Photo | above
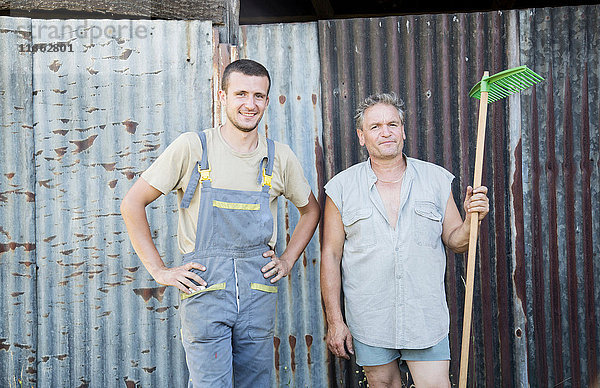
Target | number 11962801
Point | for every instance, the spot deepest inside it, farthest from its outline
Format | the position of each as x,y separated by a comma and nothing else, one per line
56,47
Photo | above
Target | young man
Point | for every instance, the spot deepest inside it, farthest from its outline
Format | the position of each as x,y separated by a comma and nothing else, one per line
227,181
386,222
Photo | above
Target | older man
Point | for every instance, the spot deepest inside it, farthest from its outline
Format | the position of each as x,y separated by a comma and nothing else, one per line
226,233
386,223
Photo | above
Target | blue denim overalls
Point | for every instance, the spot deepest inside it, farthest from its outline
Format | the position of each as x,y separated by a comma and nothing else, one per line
228,326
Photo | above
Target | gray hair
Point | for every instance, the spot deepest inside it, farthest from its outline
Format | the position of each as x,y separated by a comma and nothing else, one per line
379,98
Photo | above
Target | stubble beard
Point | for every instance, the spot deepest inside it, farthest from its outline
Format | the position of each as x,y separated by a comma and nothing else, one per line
382,154
243,128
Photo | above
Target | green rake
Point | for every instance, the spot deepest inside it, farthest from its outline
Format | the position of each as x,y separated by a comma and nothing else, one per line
505,83
488,90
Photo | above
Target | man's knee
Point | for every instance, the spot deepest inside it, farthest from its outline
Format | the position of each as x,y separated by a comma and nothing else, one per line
383,381
383,376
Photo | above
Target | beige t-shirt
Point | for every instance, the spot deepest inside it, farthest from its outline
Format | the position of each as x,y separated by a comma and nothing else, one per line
229,170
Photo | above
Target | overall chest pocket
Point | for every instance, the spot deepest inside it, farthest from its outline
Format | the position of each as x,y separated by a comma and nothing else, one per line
428,224
240,223
359,228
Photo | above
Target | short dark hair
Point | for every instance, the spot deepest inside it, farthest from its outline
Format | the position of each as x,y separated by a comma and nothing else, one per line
246,67
379,98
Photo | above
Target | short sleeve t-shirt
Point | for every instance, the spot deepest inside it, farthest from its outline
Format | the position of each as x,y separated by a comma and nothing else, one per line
229,170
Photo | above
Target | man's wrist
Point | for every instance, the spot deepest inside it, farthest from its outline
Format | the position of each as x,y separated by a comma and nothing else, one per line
155,269
286,257
336,320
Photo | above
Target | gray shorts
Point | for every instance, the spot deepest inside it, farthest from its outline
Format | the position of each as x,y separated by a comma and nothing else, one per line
367,355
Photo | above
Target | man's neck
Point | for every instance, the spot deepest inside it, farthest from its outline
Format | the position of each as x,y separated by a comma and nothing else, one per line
389,169
240,141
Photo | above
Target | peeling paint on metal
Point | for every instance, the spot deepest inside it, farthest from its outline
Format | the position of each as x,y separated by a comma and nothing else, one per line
98,115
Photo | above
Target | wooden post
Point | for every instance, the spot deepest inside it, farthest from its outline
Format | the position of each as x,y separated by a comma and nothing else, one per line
224,54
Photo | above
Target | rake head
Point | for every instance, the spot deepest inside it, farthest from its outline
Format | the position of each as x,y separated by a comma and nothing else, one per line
505,83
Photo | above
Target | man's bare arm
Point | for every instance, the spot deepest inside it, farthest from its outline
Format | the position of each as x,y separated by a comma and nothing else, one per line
133,210
338,336
455,230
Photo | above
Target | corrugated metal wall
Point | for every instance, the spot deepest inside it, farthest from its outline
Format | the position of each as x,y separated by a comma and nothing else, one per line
18,326
102,114
559,266
78,127
536,295
98,116
291,53
84,124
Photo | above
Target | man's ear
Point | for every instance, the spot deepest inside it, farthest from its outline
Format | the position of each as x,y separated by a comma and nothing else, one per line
361,137
222,96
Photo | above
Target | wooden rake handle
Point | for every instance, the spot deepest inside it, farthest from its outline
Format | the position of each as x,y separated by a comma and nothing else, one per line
466,334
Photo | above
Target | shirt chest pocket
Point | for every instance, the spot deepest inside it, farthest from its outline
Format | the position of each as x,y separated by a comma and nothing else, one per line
428,224
359,228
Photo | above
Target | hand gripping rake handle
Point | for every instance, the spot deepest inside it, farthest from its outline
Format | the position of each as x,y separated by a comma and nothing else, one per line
489,89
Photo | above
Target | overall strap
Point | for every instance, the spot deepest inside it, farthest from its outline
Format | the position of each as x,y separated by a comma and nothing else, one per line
266,173
201,173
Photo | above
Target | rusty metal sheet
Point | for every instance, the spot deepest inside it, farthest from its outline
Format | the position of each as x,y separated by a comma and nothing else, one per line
290,53
104,107
536,308
18,326
560,154
431,61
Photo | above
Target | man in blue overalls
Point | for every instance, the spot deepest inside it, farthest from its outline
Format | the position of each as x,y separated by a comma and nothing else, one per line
227,180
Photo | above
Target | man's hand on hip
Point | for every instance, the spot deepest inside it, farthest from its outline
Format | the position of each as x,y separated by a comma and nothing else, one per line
277,268
181,277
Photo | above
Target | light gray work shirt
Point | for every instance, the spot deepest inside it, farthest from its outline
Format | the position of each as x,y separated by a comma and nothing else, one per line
393,278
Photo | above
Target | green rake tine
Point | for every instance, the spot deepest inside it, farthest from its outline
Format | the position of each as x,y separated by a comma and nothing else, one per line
533,77
501,91
493,96
509,82
516,83
526,78
496,98
512,83
506,86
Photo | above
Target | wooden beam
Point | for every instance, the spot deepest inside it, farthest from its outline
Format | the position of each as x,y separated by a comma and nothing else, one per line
214,10
323,9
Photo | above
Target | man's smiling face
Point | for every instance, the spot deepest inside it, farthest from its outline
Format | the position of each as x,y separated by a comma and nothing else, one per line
245,100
